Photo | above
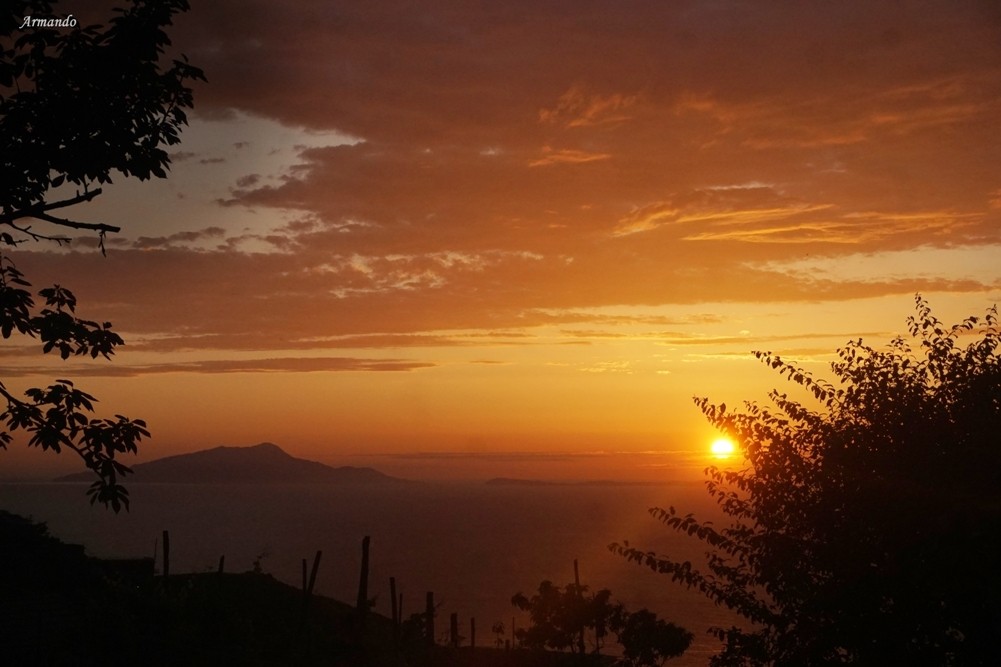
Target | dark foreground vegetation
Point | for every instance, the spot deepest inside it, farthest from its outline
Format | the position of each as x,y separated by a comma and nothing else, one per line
866,520
63,608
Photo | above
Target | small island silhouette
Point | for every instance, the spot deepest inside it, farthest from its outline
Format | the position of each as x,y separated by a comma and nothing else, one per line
263,463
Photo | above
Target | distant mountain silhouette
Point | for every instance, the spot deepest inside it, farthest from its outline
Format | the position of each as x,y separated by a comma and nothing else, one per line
518,481
262,463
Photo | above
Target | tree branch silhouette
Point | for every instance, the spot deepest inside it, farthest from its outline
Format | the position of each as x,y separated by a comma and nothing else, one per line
40,212
77,105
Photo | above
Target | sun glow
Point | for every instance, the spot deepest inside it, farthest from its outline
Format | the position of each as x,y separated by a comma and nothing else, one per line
722,448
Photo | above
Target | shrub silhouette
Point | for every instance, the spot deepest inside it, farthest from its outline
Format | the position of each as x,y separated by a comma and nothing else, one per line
865,523
571,618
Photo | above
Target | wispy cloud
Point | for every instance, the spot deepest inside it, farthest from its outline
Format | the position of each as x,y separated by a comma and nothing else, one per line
551,156
578,107
214,366
746,206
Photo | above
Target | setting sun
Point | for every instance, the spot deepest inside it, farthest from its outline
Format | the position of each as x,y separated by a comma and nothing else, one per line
722,448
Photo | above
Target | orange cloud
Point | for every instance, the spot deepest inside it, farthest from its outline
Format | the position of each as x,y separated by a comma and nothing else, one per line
566,156
720,206
216,366
578,108
995,199
425,177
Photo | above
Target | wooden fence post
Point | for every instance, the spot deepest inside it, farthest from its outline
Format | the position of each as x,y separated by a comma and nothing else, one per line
362,602
166,554
395,609
429,619
580,595
312,574
307,585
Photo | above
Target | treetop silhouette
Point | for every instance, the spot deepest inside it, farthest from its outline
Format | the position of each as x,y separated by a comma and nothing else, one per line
79,104
864,525
574,619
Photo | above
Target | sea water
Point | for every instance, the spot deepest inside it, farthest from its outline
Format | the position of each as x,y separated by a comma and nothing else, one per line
472,545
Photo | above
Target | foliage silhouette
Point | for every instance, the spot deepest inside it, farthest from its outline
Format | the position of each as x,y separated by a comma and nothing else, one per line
569,618
647,640
864,529
498,629
560,615
80,103
77,104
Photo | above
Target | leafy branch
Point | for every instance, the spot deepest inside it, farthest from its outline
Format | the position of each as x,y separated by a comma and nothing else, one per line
57,417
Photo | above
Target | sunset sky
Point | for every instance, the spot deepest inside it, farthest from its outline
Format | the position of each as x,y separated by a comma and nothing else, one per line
474,239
